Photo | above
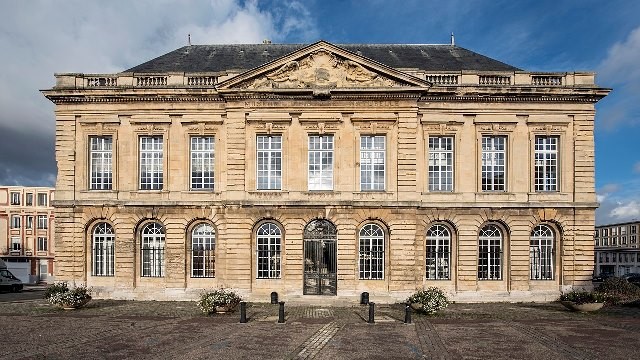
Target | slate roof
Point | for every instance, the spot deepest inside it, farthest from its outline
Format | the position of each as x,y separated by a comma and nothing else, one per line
219,58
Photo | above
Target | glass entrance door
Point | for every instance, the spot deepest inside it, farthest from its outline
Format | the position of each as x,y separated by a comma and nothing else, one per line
320,263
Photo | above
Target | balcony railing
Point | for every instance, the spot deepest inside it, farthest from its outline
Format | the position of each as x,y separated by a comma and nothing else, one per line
210,80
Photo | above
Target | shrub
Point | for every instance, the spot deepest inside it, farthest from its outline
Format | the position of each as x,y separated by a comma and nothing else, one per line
76,297
583,297
432,299
619,291
209,300
54,289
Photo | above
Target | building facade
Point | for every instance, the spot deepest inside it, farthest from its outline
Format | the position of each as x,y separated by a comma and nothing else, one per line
325,170
26,232
616,249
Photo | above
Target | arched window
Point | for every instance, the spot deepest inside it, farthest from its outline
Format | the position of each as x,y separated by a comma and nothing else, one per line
269,239
541,253
371,252
203,251
438,255
490,253
152,250
102,249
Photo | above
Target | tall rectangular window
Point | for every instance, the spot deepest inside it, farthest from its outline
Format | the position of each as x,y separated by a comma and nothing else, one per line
15,243
15,222
494,168
321,162
372,163
42,199
29,201
440,163
546,163
42,243
100,158
151,163
15,198
42,222
202,162
269,162
29,224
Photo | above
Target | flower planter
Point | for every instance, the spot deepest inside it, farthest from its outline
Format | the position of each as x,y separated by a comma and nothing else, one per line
77,305
586,307
226,308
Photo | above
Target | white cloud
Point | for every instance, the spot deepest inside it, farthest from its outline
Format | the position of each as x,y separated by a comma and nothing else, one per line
626,211
621,64
618,202
620,70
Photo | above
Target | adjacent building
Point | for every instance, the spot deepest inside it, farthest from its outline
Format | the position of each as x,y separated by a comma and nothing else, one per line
616,249
26,232
325,170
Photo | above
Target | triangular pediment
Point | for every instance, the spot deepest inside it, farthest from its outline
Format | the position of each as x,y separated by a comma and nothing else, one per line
322,66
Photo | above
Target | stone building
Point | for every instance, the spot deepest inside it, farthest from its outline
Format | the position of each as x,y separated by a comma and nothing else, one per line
617,251
26,232
325,170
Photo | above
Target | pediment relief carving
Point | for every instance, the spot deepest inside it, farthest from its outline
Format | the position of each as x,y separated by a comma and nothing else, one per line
321,69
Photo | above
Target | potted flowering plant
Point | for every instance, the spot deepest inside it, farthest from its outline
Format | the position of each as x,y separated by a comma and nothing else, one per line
583,301
429,300
59,294
219,300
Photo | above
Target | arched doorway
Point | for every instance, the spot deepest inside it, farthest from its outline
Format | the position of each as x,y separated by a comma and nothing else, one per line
320,255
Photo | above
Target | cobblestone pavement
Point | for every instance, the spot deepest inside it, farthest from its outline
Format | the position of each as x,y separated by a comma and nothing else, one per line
108,329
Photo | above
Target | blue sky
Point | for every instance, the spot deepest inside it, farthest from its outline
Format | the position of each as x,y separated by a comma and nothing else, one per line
40,37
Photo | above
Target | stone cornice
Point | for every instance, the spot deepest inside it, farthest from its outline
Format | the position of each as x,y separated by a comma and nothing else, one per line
315,203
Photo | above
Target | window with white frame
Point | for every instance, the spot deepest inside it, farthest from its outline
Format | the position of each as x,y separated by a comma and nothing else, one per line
42,199
29,200
42,243
269,239
371,254
152,248
490,253
438,254
269,162
203,251
546,163
202,162
494,166
320,162
15,198
100,162
103,247
151,163
372,163
16,243
29,224
43,221
15,221
441,163
541,253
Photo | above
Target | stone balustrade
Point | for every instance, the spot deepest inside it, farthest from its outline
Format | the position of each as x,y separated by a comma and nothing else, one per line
463,78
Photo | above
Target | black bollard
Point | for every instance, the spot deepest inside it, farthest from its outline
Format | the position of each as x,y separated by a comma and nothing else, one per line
371,313
281,313
364,298
274,297
407,313
243,312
